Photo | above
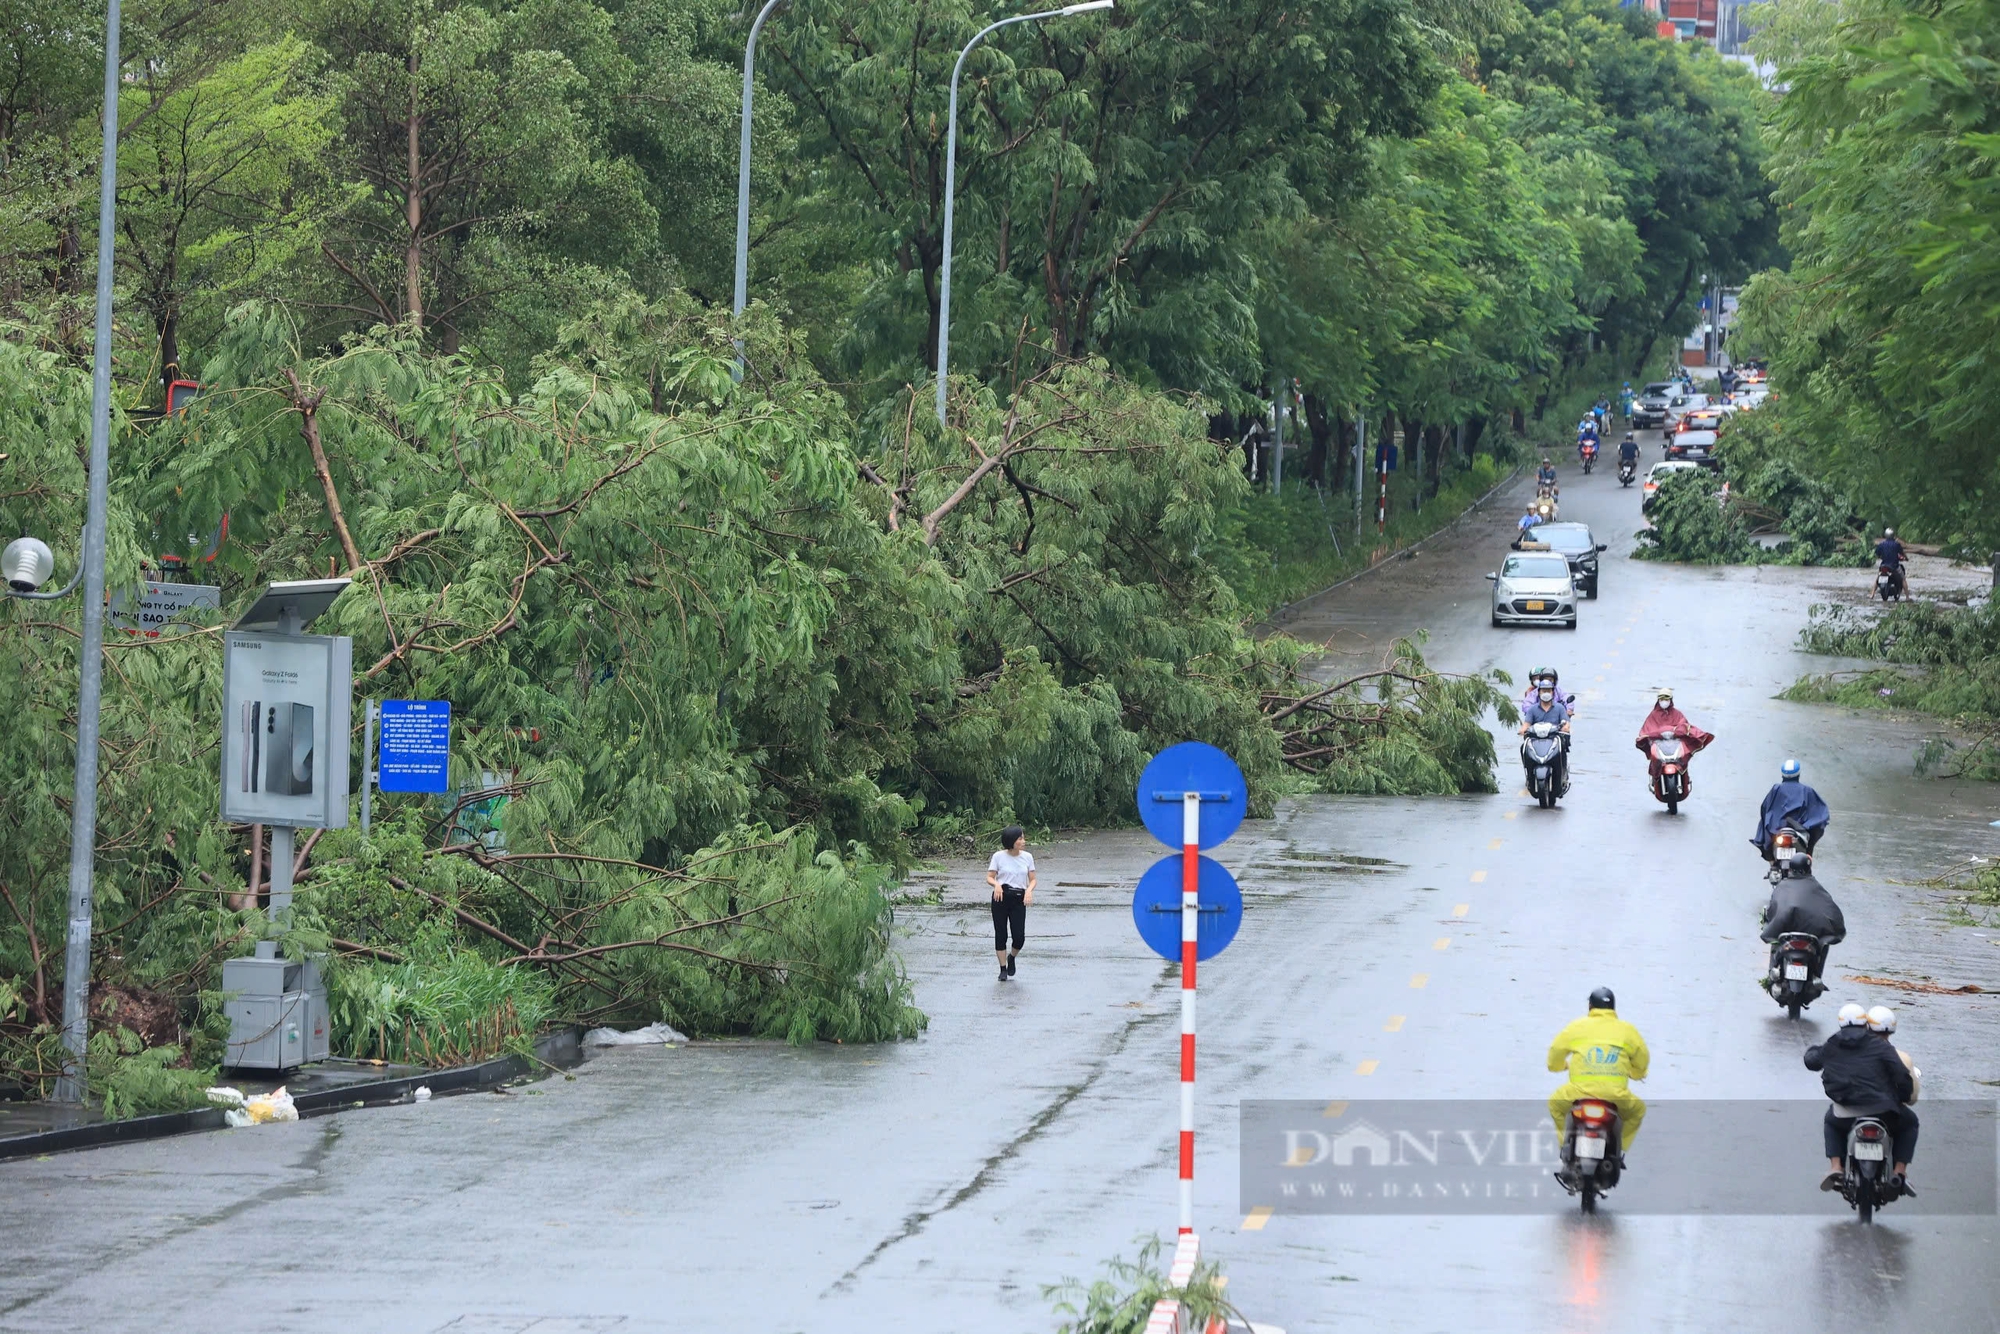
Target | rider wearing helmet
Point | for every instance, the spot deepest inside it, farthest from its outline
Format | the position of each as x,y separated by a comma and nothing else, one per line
1536,679
1628,449
1529,518
1889,551
1546,474
1864,1075
1602,1053
1790,802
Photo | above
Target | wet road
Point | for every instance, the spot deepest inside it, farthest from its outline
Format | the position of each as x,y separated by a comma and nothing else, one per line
937,1185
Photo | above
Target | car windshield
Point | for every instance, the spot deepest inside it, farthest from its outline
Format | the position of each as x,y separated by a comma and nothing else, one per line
1565,538
1535,567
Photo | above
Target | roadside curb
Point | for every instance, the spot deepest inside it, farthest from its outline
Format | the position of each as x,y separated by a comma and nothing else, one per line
561,1050
1272,621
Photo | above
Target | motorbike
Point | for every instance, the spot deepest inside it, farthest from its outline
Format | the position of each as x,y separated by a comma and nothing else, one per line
1592,1154
1795,983
1545,764
1864,1179
1668,766
1626,472
1786,844
1588,450
1545,503
1890,584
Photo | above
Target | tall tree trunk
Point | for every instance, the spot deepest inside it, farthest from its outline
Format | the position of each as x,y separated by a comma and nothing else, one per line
413,252
1323,430
1474,429
1434,459
1519,422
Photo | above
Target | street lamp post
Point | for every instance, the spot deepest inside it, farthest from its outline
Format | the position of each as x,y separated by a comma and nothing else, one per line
951,175
83,812
743,173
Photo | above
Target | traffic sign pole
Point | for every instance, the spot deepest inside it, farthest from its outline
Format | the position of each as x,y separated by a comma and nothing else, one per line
1190,923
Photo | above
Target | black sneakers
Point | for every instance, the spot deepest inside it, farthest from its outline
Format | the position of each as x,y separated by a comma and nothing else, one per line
1010,965
1830,1182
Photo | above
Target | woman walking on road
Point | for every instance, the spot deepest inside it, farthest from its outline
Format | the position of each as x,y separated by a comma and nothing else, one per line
1011,873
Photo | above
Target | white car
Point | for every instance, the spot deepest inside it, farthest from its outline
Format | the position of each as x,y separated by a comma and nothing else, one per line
1534,587
1659,473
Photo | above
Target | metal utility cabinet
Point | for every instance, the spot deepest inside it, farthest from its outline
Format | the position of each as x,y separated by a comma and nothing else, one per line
277,1013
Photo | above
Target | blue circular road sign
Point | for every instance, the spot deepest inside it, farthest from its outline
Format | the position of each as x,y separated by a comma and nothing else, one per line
1192,766
1156,908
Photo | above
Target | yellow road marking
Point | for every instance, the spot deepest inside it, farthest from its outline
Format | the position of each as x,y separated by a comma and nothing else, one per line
1366,1067
1395,1024
1335,1109
1461,910
1417,980
1478,877
1597,678
1494,844
1510,815
1255,1220
1441,942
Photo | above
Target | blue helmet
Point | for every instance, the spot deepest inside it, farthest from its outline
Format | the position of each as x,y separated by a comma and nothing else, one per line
1790,769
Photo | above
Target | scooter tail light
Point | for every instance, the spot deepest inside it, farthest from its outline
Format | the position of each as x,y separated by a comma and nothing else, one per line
1592,1113
1870,1133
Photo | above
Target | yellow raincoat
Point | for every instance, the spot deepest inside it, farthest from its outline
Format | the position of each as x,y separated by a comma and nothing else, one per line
1601,1052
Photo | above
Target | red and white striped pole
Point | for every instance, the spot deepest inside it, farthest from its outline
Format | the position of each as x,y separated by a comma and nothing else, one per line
1190,919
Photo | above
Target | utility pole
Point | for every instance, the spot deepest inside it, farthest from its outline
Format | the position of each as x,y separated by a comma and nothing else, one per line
72,1083
1360,451
1278,439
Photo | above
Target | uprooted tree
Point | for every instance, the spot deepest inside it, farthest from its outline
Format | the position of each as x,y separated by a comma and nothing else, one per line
722,658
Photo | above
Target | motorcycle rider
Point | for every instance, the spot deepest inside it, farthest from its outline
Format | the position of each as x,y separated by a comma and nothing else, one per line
1587,430
1628,450
1800,903
1546,676
1664,720
1602,1054
1864,1075
1889,551
1791,802
1528,519
1546,708
1545,476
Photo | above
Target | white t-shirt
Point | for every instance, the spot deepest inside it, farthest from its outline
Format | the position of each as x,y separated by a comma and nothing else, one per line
1012,867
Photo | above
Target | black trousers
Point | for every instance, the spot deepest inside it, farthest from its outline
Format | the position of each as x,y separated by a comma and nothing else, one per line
1902,1125
1010,912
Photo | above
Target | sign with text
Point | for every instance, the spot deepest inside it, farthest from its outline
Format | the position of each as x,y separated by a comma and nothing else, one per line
415,749
158,605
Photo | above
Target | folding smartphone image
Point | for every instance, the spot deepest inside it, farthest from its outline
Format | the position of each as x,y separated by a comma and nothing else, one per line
253,733
288,750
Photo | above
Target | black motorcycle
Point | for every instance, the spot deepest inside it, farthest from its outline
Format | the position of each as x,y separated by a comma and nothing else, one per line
1794,981
1626,472
1890,585
1592,1152
1864,1178
1544,763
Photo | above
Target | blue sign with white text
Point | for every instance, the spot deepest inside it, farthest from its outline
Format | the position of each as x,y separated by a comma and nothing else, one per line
415,748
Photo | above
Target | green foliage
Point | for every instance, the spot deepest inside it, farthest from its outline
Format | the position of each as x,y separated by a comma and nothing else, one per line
1691,523
1781,483
1951,669
1121,1301
136,1080
1883,331
451,1010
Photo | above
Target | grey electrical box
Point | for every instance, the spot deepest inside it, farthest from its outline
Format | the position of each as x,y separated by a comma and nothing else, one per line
277,1013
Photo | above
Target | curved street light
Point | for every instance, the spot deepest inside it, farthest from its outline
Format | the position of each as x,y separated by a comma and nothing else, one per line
951,175
742,298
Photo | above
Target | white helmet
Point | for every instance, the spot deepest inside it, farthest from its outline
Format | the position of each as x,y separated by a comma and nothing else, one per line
1881,1019
1852,1015
1888,532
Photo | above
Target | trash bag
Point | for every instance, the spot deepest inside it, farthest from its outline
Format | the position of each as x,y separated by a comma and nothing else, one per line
650,1035
254,1111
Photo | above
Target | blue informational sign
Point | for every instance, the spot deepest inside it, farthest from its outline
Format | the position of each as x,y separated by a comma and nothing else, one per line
1385,458
1192,766
1156,908
416,745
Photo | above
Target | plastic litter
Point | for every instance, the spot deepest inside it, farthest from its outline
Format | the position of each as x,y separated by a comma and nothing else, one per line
423,1093
262,1109
650,1035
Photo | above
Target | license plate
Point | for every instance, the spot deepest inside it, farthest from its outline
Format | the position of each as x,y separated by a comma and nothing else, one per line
1795,972
1872,1152
1589,1146
1534,606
